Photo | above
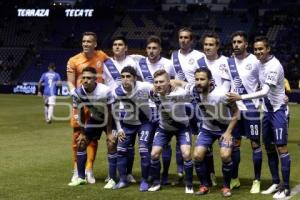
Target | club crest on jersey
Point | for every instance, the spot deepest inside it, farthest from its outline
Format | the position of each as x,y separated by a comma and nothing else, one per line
98,64
222,67
191,61
249,67
160,66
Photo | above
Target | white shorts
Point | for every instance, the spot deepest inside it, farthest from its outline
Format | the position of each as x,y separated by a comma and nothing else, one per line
50,100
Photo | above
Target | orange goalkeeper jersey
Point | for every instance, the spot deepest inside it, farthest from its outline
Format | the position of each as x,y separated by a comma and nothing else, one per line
78,62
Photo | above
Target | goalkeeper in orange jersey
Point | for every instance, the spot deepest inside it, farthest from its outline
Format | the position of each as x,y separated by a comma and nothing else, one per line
93,58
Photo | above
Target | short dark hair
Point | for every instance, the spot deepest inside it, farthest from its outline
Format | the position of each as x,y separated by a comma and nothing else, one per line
119,38
205,70
240,33
186,29
154,39
89,69
130,70
160,72
211,35
51,66
263,39
91,34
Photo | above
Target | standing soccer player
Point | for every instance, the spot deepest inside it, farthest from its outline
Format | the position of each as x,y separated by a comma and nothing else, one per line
244,72
51,80
185,64
219,68
93,58
147,67
219,119
173,121
134,96
112,78
275,133
97,98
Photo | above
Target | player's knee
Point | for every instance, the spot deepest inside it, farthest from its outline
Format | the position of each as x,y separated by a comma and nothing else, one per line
198,156
81,147
225,157
75,134
155,155
255,144
186,155
111,145
282,149
74,140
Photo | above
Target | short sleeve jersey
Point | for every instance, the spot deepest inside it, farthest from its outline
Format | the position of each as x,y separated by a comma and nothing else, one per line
50,79
188,64
248,70
78,62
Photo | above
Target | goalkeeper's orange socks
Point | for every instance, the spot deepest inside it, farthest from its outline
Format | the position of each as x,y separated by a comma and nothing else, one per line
91,154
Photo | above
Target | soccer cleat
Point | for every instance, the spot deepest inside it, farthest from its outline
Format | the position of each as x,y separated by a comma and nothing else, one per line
189,190
78,181
234,183
75,175
226,192
130,179
272,189
110,184
90,176
213,179
154,188
48,121
255,189
107,179
120,185
282,193
202,190
144,186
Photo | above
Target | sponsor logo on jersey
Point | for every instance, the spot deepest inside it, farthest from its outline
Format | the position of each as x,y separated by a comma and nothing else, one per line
237,82
191,61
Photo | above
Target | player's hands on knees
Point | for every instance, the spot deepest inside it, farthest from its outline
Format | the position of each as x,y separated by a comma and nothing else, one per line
82,141
121,135
227,138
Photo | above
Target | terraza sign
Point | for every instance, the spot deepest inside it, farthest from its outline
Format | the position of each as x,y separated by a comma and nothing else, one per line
33,12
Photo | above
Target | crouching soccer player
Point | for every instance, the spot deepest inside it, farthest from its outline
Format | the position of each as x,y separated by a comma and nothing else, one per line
134,96
173,121
97,98
217,124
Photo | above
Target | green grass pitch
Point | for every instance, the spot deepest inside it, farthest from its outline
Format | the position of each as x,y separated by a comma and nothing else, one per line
35,160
